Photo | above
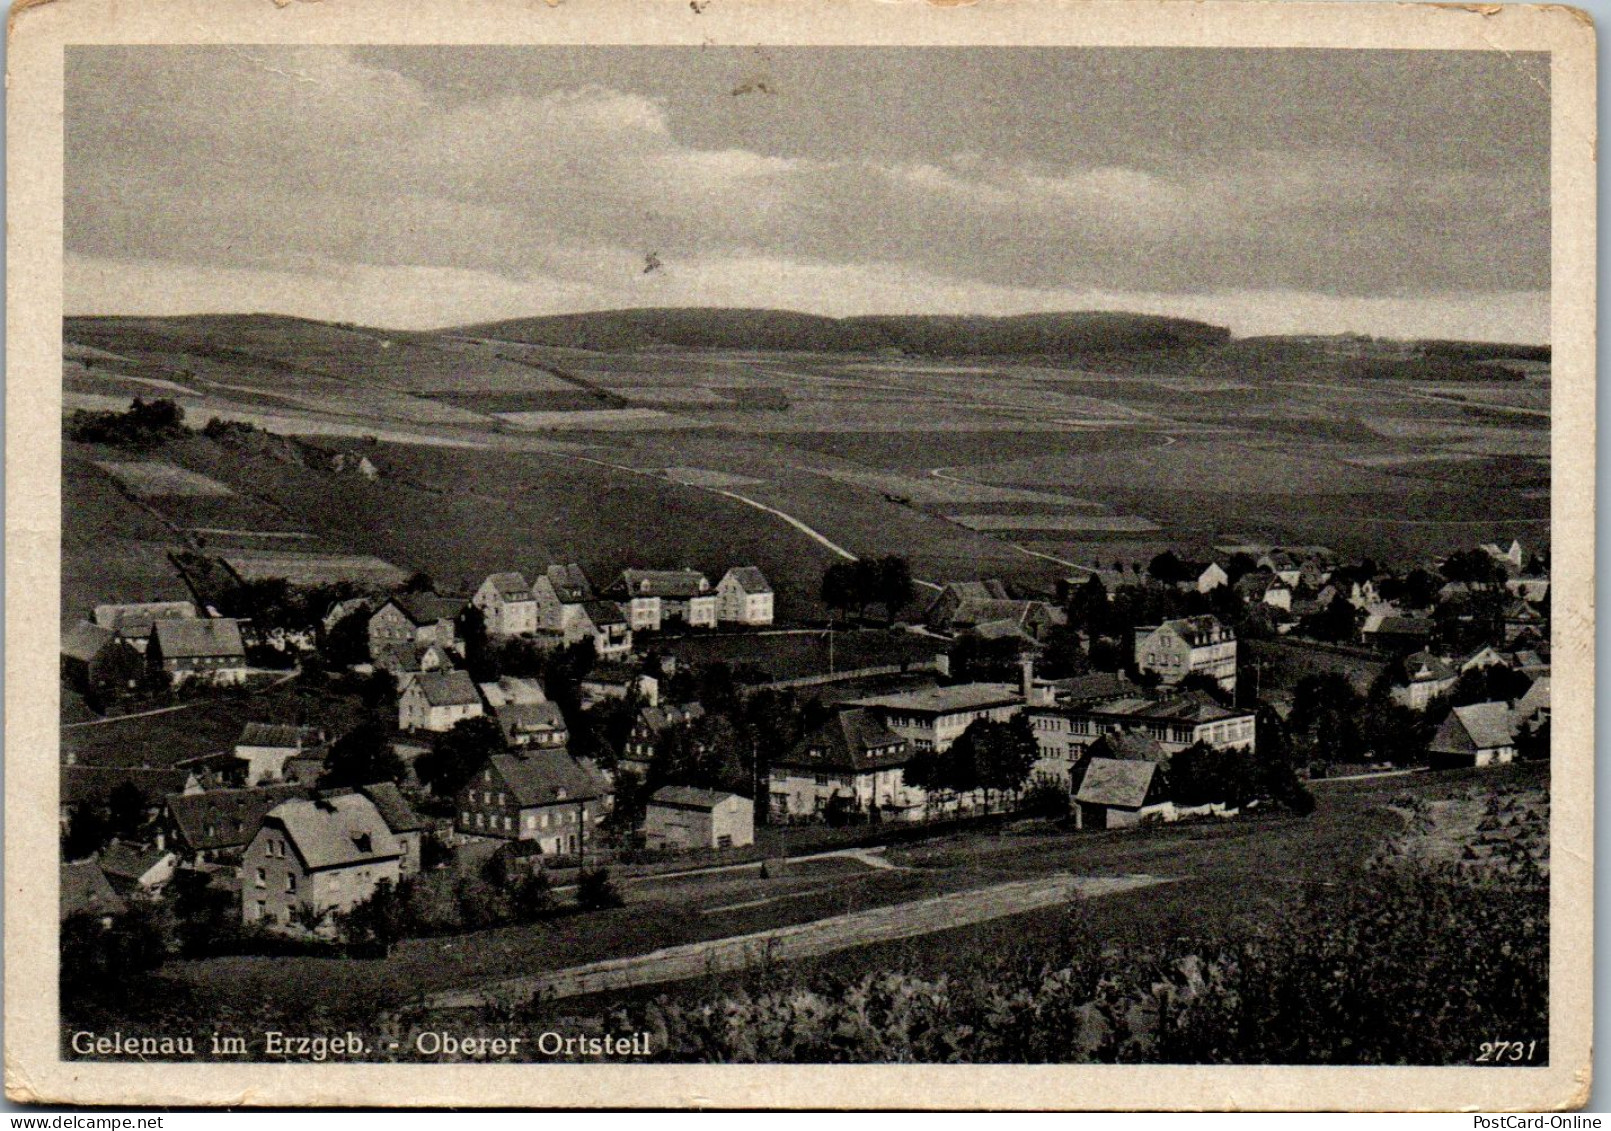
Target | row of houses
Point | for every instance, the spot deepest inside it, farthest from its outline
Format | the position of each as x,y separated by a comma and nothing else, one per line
562,600
113,652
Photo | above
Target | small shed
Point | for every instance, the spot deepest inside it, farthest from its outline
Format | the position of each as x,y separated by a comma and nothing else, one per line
681,817
1114,794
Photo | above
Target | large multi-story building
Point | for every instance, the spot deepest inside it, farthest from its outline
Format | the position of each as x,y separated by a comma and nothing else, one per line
652,597
507,605
744,596
933,718
1177,721
852,756
538,795
310,859
1188,646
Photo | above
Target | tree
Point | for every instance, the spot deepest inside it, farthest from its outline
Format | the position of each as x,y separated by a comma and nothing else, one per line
1325,718
87,832
459,753
419,582
347,641
892,584
1167,568
126,808
1472,566
595,891
480,658
362,756
841,588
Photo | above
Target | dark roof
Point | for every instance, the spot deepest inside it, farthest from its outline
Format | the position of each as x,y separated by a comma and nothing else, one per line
1488,724
137,619
1128,746
394,809
545,777
226,818
570,584
189,639
448,689
1400,626
335,832
674,583
657,719
750,579
1094,685
947,700
603,613
84,641
1109,781
517,718
85,888
687,797
130,862
1199,630
852,740
279,736
428,608
510,585
1423,667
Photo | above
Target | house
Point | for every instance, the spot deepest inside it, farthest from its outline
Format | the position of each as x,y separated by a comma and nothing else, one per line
1423,677
85,890
994,619
744,596
216,824
1531,711
942,610
1393,633
532,724
853,756
508,689
1176,721
1477,735
405,825
544,796
1263,587
1209,577
413,618
133,870
650,727
652,597
404,658
560,593
507,604
681,817
437,701
209,650
1188,646
341,610
1531,589
1119,745
606,625
1283,564
617,681
267,747
1521,617
312,858
1510,558
933,718
97,661
1115,794
133,622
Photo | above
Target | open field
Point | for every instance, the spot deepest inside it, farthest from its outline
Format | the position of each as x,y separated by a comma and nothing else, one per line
804,654
312,569
505,454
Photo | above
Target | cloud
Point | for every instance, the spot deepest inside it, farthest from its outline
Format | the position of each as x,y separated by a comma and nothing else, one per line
317,164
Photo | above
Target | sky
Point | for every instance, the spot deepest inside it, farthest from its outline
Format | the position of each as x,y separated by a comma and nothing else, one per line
1402,194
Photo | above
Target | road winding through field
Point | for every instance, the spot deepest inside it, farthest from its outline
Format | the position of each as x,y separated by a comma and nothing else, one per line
804,940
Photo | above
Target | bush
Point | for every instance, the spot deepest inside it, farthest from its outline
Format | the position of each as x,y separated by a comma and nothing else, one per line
595,891
1046,799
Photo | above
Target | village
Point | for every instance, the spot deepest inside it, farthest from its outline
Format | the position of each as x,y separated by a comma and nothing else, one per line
539,731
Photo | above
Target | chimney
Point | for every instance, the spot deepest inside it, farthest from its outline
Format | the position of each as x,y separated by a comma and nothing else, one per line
1027,665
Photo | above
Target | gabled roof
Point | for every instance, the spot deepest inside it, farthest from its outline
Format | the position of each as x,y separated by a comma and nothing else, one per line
447,689
603,613
195,639
989,589
509,689
226,818
85,889
570,584
137,619
1128,746
511,586
544,777
687,797
130,862
335,832
279,737
393,808
975,611
675,583
529,718
853,740
1424,667
1536,699
427,608
1123,784
1198,630
1378,624
748,578
658,718
1093,685
84,641
1488,724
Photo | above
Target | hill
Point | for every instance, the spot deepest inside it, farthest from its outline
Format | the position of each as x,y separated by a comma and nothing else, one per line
934,335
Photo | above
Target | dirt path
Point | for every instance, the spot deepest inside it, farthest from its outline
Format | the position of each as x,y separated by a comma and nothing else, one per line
823,936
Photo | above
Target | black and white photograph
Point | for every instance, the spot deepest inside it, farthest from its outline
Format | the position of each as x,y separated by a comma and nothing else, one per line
749,552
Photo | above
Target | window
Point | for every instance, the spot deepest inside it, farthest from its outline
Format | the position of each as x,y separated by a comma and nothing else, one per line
480,822
500,797
262,878
466,816
290,883
506,824
724,841
531,821
822,779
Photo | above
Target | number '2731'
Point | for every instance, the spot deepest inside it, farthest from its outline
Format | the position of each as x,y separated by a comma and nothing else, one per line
1506,1052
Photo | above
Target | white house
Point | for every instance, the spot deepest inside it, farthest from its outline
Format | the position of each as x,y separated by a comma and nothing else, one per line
744,596
1187,646
560,593
507,605
437,701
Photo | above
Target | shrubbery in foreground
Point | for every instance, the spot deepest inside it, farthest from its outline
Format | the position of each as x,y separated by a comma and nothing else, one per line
1400,969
